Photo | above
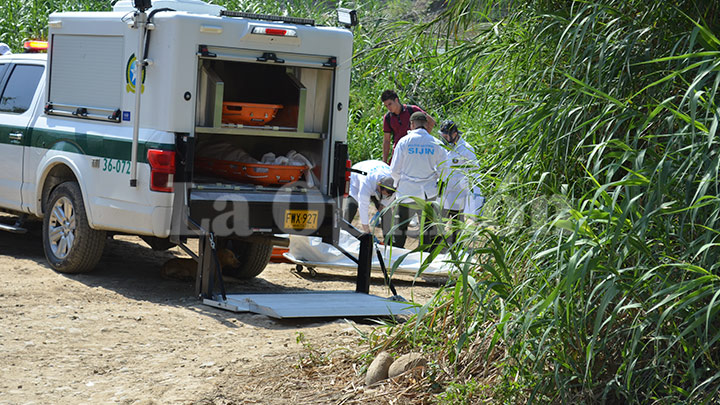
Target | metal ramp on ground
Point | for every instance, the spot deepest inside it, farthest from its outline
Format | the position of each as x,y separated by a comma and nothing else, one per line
306,304
312,304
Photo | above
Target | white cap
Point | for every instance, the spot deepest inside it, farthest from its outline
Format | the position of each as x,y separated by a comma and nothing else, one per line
4,49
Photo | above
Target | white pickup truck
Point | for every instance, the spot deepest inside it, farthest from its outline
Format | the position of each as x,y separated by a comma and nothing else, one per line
81,151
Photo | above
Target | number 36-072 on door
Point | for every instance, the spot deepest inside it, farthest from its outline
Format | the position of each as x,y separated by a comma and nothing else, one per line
115,166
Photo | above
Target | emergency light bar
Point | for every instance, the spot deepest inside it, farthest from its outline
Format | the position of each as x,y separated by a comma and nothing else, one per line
267,17
274,31
35,46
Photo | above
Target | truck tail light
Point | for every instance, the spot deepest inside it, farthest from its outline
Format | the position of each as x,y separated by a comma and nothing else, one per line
278,32
348,165
162,169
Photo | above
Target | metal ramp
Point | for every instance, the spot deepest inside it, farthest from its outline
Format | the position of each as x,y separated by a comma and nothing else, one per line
313,304
309,304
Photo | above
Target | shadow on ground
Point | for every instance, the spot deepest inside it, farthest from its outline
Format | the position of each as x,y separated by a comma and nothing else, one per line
130,268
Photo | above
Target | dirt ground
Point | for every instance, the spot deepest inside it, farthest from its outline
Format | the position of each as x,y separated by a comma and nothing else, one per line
123,334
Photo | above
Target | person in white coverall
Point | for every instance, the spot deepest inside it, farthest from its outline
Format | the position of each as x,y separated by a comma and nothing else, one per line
460,192
375,185
416,165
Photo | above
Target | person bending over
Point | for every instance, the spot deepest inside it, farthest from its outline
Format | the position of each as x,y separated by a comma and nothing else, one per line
375,186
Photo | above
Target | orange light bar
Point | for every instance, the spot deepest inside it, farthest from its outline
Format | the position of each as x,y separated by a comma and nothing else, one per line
35,46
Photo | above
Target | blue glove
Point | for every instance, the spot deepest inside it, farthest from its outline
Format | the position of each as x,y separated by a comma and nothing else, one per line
374,219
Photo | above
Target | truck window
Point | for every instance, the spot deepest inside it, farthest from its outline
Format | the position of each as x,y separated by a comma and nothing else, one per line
20,88
3,68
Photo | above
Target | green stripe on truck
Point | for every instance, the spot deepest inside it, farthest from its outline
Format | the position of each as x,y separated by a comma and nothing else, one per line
85,144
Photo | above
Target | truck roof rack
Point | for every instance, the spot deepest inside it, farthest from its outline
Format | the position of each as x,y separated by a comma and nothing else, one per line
268,17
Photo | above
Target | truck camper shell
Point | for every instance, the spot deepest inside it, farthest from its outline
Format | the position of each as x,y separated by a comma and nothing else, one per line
198,67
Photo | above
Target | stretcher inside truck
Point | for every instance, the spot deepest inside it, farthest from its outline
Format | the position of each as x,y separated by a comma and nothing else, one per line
255,109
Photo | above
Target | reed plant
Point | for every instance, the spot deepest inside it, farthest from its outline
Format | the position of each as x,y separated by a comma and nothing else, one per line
592,274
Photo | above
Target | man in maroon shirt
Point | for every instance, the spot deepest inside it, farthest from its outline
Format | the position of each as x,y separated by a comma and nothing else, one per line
396,122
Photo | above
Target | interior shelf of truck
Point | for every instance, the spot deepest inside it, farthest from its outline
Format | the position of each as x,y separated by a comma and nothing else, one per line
241,96
259,131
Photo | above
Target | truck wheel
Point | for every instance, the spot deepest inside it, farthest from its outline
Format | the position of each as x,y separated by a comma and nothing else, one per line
70,245
253,257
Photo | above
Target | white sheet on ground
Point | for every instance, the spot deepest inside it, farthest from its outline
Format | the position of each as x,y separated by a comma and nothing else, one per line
311,251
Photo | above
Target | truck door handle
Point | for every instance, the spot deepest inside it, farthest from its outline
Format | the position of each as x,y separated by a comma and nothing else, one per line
15,136
270,56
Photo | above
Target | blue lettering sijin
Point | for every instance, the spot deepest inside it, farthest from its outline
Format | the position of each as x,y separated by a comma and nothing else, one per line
421,150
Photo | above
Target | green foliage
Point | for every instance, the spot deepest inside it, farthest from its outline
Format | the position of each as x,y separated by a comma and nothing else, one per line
598,124
311,356
457,394
593,275
27,19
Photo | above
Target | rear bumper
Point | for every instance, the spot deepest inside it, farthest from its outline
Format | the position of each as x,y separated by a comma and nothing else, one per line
228,213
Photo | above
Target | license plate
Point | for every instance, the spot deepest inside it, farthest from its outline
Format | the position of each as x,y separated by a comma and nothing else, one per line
301,219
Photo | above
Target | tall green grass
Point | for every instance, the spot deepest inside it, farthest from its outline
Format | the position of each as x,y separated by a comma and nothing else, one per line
593,274
596,279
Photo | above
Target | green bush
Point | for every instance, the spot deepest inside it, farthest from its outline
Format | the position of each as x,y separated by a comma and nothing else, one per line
593,275
24,20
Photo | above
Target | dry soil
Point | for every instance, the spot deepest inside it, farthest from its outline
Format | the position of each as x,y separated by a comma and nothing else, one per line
123,334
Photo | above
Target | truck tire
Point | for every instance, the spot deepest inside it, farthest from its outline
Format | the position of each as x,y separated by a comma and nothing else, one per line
253,257
70,245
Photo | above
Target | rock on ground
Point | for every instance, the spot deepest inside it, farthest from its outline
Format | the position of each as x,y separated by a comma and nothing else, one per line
378,369
406,362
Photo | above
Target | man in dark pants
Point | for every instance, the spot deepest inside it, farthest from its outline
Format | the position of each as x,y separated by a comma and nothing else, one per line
396,122
416,168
